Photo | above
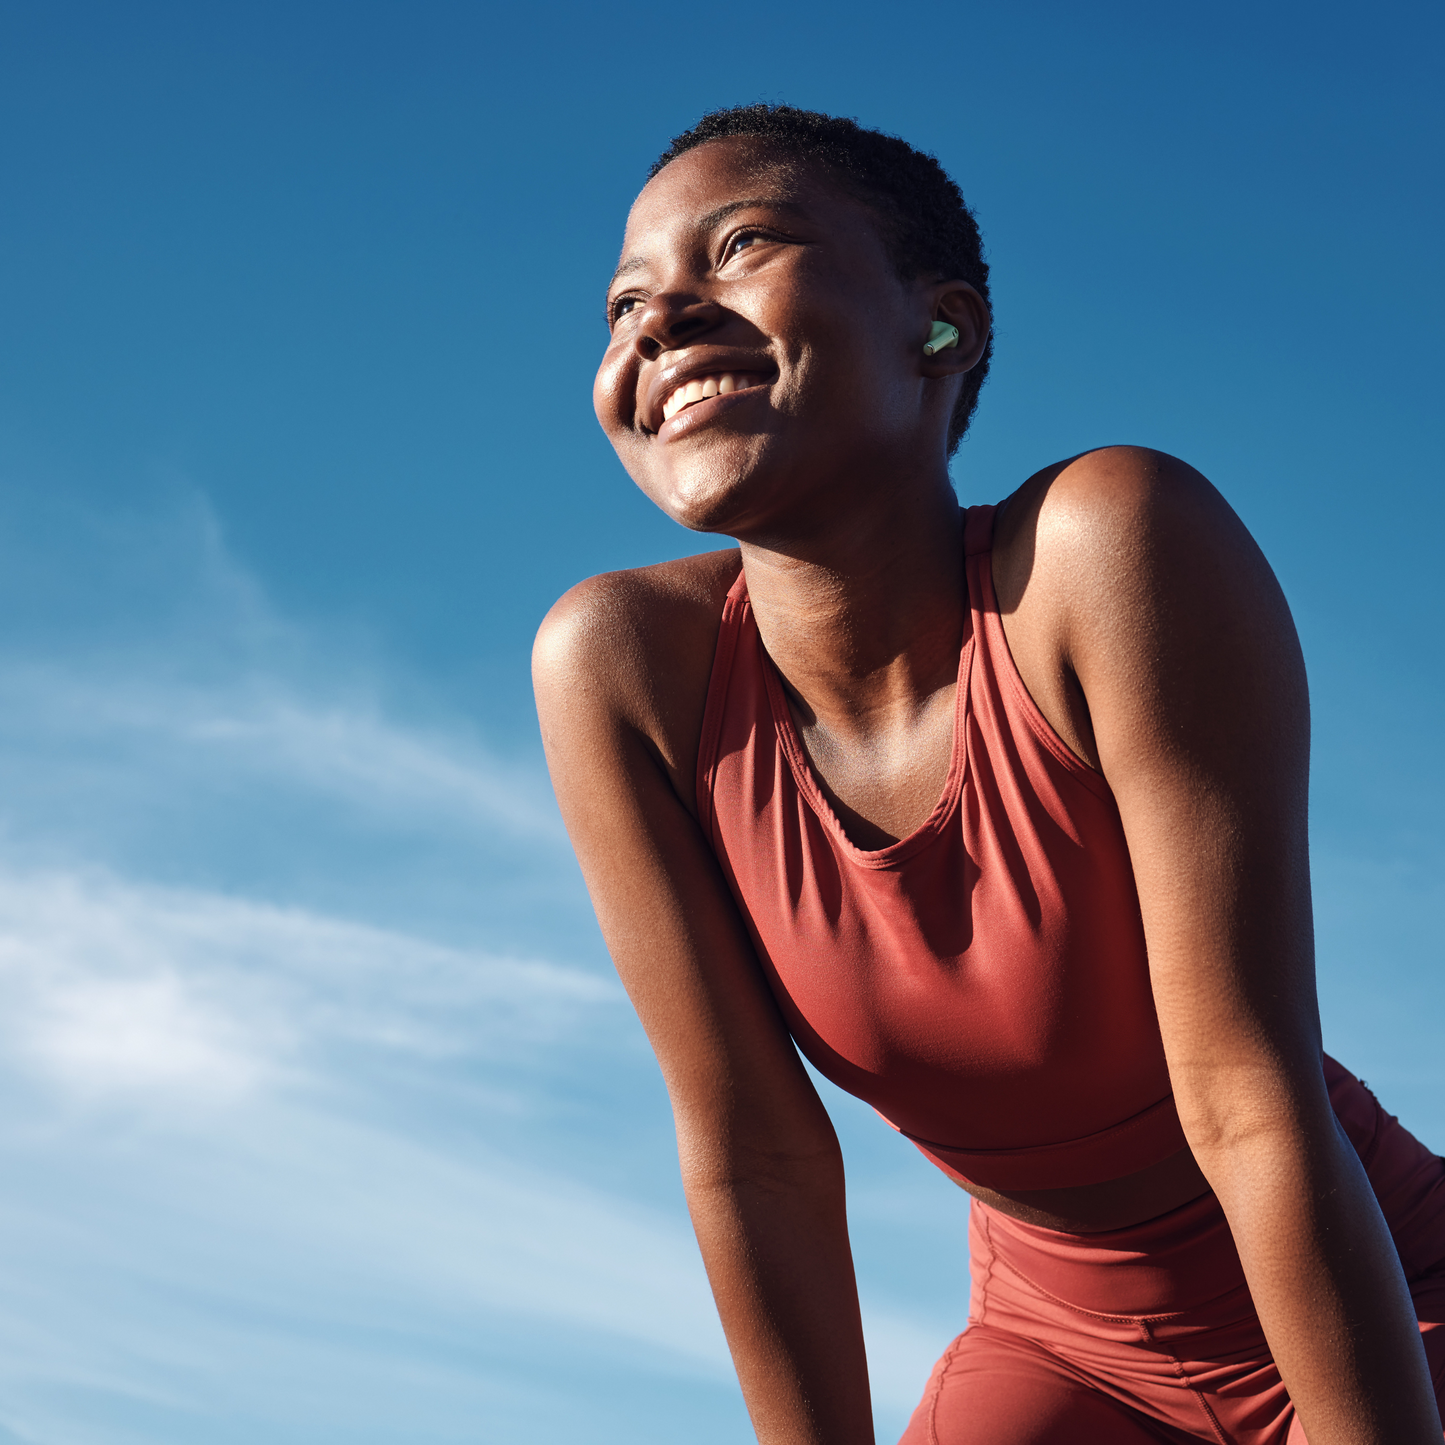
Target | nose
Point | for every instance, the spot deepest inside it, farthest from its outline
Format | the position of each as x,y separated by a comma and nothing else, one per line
670,321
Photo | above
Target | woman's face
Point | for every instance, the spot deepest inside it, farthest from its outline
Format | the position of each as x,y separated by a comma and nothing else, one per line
764,353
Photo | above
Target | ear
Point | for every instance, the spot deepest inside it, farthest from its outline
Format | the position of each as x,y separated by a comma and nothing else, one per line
960,305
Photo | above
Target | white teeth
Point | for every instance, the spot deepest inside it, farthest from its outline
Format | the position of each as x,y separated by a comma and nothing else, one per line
701,388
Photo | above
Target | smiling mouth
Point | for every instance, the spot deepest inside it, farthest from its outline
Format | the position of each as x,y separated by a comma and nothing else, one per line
700,388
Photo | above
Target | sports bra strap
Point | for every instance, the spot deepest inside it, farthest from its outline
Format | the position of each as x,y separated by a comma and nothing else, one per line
978,530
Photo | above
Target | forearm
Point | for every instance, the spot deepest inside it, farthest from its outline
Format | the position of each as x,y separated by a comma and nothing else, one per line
775,1243
1328,1286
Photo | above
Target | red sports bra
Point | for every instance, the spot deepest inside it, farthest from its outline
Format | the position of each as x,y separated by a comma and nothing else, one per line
982,983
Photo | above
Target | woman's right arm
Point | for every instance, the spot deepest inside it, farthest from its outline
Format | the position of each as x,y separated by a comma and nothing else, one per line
618,694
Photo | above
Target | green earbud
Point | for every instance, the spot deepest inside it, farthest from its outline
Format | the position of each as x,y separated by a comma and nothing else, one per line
941,335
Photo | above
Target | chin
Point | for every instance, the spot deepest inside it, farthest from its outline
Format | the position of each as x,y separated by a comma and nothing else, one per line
712,490
711,507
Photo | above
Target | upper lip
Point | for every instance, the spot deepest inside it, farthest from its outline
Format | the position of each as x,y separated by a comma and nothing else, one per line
692,366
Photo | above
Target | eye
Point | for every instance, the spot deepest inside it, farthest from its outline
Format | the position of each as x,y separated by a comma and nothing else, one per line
620,308
740,241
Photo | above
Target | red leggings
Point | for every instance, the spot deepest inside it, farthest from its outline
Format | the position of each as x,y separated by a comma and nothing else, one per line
1148,1334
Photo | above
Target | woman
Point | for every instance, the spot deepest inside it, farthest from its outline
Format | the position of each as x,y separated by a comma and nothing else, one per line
999,817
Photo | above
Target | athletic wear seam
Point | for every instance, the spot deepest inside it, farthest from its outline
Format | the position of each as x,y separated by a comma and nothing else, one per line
992,1259
1189,1384
944,1365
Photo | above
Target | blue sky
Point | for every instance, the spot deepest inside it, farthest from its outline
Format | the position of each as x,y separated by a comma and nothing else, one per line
324,1117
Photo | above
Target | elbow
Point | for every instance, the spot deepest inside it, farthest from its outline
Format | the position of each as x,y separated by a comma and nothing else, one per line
1271,1129
1217,1136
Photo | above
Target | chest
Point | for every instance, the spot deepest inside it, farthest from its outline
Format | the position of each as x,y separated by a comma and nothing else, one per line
882,783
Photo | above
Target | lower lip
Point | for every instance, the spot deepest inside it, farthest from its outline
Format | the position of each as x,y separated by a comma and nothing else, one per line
702,412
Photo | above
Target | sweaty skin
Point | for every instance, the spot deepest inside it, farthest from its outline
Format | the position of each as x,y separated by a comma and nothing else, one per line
1151,634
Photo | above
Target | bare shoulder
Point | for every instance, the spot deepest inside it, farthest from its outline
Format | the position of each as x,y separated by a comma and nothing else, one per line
635,649
1123,531
1126,581
1116,515
636,621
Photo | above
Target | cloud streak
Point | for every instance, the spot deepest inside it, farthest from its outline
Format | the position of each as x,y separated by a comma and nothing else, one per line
115,986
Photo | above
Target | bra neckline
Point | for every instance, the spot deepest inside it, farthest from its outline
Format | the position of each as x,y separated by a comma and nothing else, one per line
806,777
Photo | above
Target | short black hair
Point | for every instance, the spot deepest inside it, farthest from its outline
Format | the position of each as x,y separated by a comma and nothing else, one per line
928,227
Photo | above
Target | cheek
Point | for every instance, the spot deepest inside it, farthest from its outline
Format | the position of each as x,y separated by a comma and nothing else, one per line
614,390
599,398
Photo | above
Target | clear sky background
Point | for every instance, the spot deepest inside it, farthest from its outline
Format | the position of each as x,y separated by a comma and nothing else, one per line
323,1117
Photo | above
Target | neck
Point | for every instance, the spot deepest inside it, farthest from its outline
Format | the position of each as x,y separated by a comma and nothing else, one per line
864,616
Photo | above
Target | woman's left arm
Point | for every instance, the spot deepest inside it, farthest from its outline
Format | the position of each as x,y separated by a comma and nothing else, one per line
1177,640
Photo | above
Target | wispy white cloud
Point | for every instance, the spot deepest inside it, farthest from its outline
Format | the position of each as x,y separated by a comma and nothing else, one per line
357,754
121,986
101,1037
266,734
334,741
203,677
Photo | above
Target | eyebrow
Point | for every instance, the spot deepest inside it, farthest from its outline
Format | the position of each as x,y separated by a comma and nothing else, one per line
706,223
